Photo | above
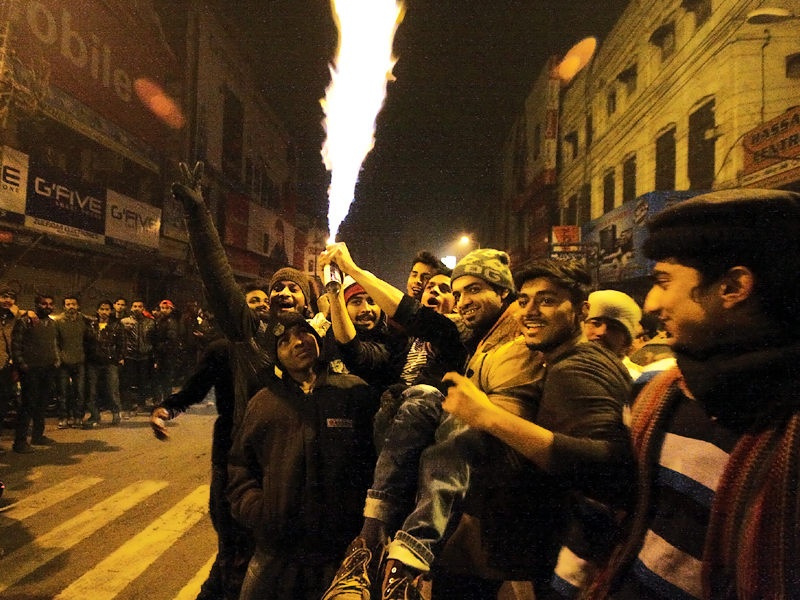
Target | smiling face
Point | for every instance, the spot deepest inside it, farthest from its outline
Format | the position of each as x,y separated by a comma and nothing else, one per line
547,314
257,300
476,301
363,311
297,349
287,296
419,276
686,309
439,295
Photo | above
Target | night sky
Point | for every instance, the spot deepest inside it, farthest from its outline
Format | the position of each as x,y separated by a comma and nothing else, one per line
464,70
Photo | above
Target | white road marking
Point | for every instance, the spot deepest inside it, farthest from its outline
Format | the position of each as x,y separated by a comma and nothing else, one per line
45,499
192,589
28,558
129,561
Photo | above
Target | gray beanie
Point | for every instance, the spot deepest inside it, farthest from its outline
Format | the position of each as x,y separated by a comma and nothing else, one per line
490,265
614,305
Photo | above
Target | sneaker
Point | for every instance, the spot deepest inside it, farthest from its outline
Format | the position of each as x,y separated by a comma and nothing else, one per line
352,579
115,419
91,424
62,424
22,448
42,440
401,582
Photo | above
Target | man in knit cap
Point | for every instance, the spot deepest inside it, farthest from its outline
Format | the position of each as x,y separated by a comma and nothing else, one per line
612,321
500,364
716,436
289,290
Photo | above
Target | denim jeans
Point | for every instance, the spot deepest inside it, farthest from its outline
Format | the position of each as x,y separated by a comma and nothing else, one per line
72,389
394,484
433,456
111,374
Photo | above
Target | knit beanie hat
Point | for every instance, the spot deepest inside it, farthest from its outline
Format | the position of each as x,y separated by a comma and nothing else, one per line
614,305
283,323
351,288
490,265
290,274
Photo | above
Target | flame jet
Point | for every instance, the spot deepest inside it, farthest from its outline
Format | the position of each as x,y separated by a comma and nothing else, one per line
356,93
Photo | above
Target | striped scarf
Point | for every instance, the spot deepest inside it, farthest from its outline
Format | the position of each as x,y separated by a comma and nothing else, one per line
752,545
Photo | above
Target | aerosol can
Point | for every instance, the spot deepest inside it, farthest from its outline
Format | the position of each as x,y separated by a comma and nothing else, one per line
332,277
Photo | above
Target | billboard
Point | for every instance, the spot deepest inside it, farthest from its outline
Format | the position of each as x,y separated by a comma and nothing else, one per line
618,236
13,185
96,50
132,222
64,204
772,152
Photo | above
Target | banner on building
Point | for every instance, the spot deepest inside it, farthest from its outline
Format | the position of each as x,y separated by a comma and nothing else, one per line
64,204
772,152
96,50
173,224
271,236
617,237
13,185
237,215
131,221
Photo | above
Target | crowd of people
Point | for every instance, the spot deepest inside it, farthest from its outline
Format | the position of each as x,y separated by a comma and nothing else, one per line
486,424
120,359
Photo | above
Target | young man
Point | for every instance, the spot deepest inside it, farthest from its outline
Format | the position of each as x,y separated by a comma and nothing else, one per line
33,348
103,359
424,266
121,308
166,350
8,316
289,291
299,467
72,337
484,291
716,436
137,366
613,321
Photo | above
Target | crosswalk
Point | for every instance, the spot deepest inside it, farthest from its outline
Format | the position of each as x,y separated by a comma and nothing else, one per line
128,561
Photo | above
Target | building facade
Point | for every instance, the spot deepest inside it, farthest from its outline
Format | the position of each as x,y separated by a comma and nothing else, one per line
686,95
99,101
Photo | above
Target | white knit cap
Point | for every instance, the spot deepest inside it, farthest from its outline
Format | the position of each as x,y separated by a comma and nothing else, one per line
611,304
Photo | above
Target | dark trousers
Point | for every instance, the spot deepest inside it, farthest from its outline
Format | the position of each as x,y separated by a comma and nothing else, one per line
72,387
235,544
110,375
137,376
6,393
38,387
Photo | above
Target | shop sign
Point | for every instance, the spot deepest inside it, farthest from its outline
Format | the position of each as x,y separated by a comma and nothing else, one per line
132,221
772,151
13,184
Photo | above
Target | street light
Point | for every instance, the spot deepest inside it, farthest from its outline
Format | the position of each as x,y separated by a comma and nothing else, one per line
766,16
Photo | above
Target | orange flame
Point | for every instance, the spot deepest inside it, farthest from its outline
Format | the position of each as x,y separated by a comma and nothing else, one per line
355,95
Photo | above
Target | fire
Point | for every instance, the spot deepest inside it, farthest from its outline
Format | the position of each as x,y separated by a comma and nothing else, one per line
355,95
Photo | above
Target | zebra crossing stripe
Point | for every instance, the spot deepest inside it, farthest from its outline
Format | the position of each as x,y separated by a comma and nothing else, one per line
50,497
28,558
192,589
131,559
